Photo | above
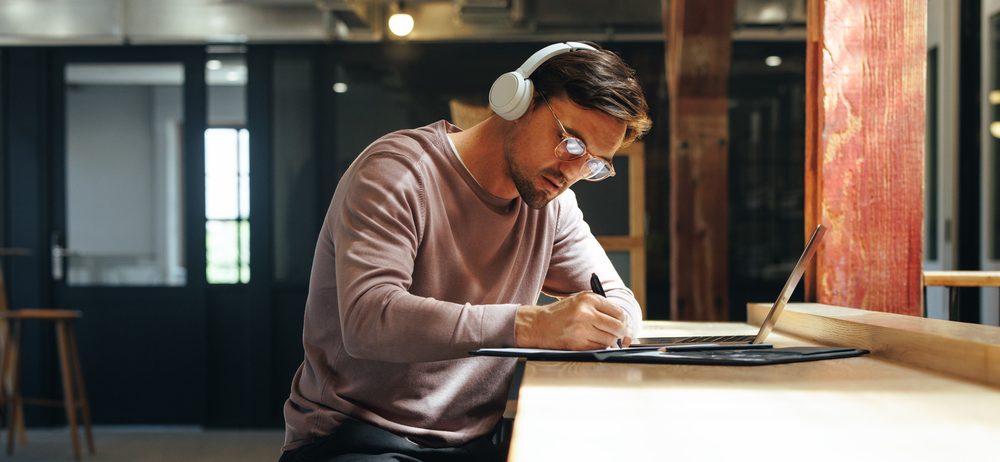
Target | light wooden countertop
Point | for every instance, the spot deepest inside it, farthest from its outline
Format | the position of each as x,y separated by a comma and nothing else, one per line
864,408
962,278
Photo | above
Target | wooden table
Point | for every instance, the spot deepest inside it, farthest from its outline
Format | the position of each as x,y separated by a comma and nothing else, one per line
876,407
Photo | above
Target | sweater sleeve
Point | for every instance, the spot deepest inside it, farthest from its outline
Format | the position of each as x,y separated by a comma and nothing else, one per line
376,233
576,255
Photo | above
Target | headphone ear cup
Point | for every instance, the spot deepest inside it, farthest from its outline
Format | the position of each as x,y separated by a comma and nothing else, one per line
511,93
507,93
523,100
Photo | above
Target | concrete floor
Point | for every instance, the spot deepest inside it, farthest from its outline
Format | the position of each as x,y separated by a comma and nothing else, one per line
151,444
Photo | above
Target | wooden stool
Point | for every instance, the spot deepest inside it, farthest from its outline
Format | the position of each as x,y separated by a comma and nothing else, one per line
74,390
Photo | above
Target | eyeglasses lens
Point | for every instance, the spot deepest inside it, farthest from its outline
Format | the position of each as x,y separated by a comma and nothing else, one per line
571,148
595,170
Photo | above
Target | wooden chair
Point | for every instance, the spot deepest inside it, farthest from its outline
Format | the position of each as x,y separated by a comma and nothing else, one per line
955,279
6,383
74,389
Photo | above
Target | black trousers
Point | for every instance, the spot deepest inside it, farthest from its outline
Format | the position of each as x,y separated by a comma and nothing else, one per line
358,441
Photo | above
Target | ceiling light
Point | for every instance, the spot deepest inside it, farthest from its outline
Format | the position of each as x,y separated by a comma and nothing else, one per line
214,64
232,76
401,24
995,129
340,87
772,14
773,61
994,96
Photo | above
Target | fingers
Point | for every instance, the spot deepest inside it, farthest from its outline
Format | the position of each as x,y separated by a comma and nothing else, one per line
603,339
609,318
605,306
610,326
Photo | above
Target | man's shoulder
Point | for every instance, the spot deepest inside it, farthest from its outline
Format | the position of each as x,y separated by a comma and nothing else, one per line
564,209
565,200
399,161
412,144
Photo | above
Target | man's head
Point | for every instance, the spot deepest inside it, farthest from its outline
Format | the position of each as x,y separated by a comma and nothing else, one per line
590,95
597,80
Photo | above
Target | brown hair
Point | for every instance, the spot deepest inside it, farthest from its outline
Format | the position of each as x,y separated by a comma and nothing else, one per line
597,80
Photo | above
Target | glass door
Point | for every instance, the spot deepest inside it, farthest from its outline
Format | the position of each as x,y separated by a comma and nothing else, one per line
127,244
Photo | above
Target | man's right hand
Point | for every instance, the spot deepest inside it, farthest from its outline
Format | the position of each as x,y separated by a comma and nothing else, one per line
584,321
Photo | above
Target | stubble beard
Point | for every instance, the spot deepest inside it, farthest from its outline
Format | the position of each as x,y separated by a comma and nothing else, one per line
535,198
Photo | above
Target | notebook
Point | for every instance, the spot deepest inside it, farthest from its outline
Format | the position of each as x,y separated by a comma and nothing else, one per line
755,354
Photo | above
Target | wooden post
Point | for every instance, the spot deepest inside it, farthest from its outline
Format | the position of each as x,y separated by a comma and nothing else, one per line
865,85
699,43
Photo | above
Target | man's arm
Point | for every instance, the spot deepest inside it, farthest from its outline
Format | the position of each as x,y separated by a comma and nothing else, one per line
376,235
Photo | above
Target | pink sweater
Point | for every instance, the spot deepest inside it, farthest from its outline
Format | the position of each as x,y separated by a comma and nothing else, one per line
415,266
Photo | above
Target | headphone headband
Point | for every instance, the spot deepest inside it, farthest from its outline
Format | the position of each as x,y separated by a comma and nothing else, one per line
539,57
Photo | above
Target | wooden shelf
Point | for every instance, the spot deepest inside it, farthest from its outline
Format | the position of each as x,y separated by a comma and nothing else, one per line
962,278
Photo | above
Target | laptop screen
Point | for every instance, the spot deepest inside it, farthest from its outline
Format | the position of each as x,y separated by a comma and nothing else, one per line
793,280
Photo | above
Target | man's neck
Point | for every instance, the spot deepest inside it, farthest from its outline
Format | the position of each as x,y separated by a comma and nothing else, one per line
481,149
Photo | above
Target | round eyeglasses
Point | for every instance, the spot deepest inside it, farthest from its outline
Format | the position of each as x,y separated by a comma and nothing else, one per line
593,169
572,148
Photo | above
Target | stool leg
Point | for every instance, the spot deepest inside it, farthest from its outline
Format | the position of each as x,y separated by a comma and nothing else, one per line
953,310
81,387
67,382
13,404
7,382
5,363
22,434
923,301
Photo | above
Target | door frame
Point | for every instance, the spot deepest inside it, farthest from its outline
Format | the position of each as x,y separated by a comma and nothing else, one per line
989,305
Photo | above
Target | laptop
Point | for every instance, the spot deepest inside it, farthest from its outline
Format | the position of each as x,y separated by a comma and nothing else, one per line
769,321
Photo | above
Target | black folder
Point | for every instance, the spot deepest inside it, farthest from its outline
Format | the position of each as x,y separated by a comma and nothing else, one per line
709,355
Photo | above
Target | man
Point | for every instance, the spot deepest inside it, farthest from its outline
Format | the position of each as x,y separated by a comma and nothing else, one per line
437,242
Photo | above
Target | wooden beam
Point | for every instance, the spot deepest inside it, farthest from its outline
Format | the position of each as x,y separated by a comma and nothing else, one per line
865,151
814,124
637,220
699,44
619,243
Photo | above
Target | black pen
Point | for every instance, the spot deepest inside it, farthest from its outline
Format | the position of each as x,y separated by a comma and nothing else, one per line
595,285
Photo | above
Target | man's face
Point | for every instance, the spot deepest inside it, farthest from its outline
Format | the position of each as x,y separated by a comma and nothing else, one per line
537,173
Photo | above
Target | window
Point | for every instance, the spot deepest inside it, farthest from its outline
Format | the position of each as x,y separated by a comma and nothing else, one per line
125,228
227,205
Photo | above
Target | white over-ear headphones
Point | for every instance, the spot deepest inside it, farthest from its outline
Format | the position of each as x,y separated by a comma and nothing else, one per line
512,92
